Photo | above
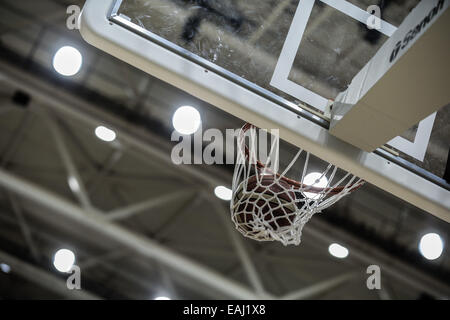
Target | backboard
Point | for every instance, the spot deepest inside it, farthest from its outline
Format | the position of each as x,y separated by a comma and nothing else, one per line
278,64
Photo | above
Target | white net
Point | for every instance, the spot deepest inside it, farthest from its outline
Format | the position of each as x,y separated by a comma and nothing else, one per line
267,206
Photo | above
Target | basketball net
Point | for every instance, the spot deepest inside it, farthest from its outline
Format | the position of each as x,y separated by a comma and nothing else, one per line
268,206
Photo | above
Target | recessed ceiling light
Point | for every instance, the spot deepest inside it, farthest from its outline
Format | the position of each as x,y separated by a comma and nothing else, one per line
338,251
105,134
223,193
5,268
315,179
431,246
162,298
186,120
67,61
73,184
64,260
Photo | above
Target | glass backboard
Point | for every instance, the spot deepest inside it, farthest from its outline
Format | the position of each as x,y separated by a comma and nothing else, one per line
249,38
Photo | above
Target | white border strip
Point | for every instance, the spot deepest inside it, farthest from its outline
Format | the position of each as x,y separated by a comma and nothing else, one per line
286,60
418,148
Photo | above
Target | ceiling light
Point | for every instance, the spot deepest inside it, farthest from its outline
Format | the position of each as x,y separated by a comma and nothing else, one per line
186,120
5,268
64,260
338,251
315,179
431,246
223,193
67,61
105,134
162,298
73,184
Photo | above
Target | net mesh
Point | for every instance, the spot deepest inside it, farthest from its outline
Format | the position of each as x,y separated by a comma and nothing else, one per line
267,206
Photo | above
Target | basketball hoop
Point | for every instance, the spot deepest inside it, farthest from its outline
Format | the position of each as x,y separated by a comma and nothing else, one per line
268,206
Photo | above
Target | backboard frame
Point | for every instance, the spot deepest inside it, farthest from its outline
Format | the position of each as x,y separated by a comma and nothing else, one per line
101,26
280,78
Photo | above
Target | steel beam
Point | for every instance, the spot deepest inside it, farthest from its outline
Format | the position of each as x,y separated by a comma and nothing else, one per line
16,139
167,281
185,208
79,190
77,108
123,213
104,258
99,176
244,257
141,245
26,232
106,261
319,288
